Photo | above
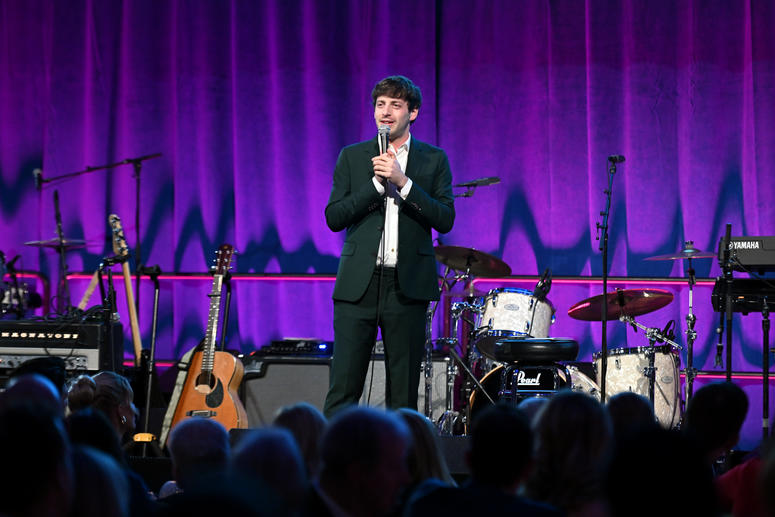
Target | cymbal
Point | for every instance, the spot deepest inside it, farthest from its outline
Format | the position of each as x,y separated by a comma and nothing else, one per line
478,263
688,252
68,244
632,302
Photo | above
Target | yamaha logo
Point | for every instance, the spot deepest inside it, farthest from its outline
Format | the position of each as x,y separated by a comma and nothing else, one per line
745,245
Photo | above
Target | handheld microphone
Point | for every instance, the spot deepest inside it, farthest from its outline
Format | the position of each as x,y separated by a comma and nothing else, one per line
616,158
382,136
37,174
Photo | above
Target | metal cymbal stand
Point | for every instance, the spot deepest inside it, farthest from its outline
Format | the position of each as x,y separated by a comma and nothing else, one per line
654,335
691,336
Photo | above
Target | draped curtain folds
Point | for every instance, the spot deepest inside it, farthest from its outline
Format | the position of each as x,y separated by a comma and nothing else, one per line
250,103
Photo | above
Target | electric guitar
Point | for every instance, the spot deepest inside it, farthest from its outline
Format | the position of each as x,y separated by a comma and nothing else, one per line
121,249
210,389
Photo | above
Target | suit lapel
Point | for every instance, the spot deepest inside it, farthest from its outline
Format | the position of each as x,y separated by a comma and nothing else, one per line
415,160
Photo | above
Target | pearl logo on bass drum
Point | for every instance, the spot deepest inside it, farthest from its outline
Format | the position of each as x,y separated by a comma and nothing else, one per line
524,380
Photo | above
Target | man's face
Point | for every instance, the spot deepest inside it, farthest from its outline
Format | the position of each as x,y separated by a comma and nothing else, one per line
394,113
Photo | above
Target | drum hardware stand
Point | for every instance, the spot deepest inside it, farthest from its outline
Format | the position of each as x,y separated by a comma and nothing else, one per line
765,368
654,335
428,366
147,438
691,335
727,267
450,417
15,291
611,171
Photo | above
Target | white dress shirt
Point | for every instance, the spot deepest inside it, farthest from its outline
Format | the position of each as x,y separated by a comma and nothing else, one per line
388,245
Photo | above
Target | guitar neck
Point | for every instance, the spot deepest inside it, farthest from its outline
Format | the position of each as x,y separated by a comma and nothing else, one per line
130,301
212,324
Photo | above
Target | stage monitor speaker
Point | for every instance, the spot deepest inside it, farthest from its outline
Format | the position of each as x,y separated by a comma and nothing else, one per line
376,397
273,382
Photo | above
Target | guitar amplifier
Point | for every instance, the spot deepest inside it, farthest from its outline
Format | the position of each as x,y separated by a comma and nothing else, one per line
87,347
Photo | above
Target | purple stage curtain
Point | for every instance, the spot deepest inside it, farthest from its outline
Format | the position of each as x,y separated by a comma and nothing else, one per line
250,102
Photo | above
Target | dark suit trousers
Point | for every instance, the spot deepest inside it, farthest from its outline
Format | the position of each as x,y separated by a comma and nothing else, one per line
402,321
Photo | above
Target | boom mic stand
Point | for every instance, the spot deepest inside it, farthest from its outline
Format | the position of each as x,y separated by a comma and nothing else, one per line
604,248
137,164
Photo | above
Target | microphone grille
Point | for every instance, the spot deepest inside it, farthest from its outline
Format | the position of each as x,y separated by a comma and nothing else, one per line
383,129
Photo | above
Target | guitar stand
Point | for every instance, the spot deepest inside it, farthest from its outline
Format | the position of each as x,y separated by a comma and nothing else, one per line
145,437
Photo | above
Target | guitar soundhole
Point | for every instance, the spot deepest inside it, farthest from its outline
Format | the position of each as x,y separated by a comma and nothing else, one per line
205,382
211,387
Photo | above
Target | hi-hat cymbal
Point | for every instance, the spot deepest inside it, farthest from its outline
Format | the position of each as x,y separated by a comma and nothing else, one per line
632,302
688,252
68,244
476,262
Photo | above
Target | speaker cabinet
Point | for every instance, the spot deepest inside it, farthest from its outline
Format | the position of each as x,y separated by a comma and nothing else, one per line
272,382
376,395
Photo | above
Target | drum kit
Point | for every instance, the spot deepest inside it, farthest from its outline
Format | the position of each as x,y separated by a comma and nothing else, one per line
504,352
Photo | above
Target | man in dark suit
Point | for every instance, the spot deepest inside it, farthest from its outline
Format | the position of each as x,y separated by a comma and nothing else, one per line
388,203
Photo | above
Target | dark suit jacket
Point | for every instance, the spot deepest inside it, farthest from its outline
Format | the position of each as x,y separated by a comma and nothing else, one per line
356,206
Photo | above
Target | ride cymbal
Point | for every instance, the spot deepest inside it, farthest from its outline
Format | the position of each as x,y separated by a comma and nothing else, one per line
477,263
632,302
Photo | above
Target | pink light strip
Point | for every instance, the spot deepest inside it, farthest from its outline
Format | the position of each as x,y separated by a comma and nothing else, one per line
595,281
236,278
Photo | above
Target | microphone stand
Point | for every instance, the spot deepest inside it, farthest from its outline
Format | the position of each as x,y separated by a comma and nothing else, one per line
604,248
137,164
728,298
146,437
63,289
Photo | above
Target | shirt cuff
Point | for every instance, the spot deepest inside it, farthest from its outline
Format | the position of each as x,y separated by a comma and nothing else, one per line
404,191
379,186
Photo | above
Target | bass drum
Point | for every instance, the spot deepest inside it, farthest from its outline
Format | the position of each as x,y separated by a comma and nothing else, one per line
492,383
625,372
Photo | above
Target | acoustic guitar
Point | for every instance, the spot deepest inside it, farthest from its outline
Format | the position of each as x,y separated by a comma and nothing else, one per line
210,389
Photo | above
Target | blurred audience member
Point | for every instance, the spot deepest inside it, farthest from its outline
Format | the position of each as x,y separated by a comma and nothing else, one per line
51,367
713,419
271,458
37,477
32,388
659,472
425,459
532,407
91,428
109,393
306,423
101,486
499,459
573,447
630,412
199,447
363,465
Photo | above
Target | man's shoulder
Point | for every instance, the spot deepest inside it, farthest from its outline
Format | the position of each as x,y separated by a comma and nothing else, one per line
366,145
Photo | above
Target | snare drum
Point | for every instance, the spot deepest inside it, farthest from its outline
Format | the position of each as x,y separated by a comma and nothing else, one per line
511,312
626,372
